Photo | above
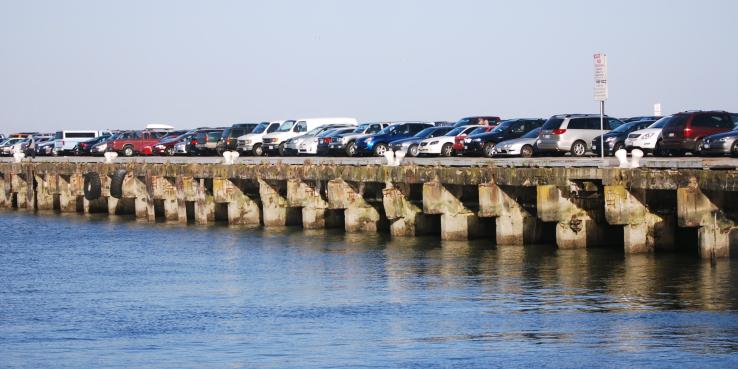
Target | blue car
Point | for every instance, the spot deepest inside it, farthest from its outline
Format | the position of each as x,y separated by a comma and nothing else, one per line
377,144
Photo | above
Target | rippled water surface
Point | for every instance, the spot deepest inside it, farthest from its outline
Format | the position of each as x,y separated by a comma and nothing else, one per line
79,291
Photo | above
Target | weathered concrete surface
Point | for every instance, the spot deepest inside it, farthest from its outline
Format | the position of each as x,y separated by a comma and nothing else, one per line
584,202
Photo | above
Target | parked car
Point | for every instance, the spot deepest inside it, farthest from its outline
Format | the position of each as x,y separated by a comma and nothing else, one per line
572,133
523,146
480,121
275,142
46,147
725,143
6,148
377,144
85,147
459,140
65,141
485,143
205,141
292,146
642,117
615,139
347,143
229,140
685,131
410,145
135,142
648,139
166,145
443,145
324,143
252,143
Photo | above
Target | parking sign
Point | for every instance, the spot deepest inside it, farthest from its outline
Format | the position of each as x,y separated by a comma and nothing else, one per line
600,77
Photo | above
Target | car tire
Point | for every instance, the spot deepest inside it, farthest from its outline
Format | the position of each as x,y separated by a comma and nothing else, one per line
578,149
380,149
128,151
526,151
698,148
489,149
257,150
92,186
282,150
351,148
447,150
169,151
618,146
116,183
413,151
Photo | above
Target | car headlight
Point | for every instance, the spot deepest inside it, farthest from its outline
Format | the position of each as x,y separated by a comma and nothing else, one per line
159,146
611,139
725,139
647,135
247,142
434,143
368,140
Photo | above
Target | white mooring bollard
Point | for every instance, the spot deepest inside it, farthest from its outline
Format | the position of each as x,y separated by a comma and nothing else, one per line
110,156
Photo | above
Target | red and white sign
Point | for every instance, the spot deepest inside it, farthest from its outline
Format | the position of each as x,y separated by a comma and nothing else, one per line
600,77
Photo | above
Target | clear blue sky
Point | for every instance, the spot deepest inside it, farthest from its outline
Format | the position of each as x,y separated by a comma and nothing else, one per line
122,64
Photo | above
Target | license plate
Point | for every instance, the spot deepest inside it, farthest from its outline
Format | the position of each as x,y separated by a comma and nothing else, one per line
707,146
594,147
546,136
671,134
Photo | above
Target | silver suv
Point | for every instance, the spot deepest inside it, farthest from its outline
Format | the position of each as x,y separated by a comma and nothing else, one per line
572,133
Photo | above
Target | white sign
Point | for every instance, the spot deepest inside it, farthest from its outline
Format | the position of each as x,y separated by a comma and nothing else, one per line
600,77
657,110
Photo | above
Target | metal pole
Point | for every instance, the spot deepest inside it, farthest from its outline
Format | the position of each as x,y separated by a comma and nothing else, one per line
602,129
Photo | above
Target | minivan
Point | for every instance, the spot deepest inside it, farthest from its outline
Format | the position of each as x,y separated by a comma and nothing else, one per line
686,130
65,141
275,142
228,141
251,143
572,133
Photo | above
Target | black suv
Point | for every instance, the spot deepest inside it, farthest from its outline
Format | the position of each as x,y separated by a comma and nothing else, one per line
615,139
229,140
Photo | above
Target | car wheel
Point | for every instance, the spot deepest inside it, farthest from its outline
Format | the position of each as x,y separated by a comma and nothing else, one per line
282,150
380,149
618,146
526,151
698,148
128,151
489,149
447,150
257,150
413,150
579,148
169,151
351,148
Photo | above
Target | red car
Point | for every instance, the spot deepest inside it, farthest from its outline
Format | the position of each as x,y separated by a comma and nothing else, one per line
459,140
685,131
136,142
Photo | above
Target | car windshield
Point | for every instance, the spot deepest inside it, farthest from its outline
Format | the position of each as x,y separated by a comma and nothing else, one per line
314,131
624,127
532,134
260,128
389,129
502,127
660,123
456,131
360,128
425,133
286,126
479,130
552,123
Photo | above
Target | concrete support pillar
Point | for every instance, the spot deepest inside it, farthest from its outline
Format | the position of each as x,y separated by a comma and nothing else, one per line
696,209
515,225
185,187
164,190
359,214
70,190
20,188
140,189
46,187
457,221
316,213
3,193
242,210
406,217
577,215
276,211
643,231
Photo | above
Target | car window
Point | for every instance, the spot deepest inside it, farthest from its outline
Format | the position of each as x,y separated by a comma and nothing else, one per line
518,127
735,119
613,123
214,136
577,123
553,123
532,134
301,126
286,126
273,128
374,128
711,121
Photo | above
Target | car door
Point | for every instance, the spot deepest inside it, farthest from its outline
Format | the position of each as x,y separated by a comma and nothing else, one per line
706,124
518,129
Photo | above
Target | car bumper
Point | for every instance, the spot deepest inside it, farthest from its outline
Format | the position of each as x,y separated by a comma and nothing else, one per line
336,146
508,151
679,144
270,147
550,146
717,147
647,144
430,149
473,147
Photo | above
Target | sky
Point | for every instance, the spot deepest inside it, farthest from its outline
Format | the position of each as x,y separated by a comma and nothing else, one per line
124,64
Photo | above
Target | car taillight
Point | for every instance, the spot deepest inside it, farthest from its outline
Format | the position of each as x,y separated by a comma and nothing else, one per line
194,142
687,132
327,140
558,131
228,140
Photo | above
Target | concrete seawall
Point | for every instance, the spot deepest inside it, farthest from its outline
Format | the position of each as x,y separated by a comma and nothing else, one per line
642,210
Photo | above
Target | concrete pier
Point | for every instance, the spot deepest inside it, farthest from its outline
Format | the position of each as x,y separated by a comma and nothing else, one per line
641,210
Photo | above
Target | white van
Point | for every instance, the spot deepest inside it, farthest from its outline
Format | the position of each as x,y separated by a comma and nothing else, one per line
250,143
275,141
65,141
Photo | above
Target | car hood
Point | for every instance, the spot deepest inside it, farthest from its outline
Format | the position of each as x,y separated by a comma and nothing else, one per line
519,141
717,136
647,130
488,137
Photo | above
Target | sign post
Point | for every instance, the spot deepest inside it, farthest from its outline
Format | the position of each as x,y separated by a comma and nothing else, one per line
600,93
